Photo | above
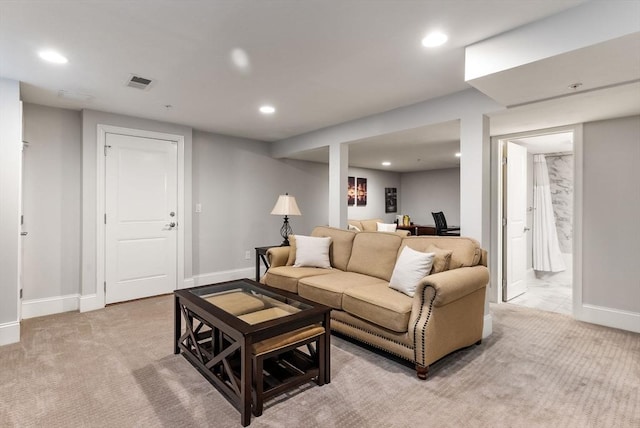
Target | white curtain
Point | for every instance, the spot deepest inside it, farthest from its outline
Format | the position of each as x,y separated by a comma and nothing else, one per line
547,256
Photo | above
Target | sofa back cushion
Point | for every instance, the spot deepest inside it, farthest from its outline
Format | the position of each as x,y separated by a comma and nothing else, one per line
341,242
465,251
374,254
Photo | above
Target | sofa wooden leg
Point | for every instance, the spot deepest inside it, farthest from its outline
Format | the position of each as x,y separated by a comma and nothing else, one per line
422,372
479,342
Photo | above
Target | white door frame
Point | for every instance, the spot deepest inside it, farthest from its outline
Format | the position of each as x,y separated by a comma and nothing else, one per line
497,215
100,201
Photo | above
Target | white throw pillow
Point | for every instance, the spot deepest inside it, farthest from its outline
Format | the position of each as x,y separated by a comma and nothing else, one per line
312,251
386,227
410,268
354,228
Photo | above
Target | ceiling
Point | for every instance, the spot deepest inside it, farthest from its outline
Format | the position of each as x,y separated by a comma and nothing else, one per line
214,63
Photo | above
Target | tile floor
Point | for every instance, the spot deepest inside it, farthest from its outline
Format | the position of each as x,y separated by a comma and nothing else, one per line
549,293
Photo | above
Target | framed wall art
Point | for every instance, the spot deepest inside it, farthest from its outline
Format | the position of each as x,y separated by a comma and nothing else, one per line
361,192
390,200
351,191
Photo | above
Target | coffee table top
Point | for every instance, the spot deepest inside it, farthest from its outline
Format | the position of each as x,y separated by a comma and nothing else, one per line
248,306
248,302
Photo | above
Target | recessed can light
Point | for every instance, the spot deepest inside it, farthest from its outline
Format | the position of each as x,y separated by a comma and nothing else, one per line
386,163
434,39
52,56
267,109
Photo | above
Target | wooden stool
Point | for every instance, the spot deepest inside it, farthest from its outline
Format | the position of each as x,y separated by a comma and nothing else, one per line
287,367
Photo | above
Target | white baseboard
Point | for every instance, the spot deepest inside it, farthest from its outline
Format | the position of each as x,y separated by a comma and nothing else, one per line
49,306
487,327
226,275
90,302
9,333
188,283
609,317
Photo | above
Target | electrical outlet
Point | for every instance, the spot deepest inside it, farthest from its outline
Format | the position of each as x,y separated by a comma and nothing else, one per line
247,255
198,208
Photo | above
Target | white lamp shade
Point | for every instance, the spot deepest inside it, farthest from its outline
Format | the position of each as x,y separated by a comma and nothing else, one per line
286,205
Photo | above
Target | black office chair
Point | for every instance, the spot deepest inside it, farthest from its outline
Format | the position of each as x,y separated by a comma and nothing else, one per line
441,225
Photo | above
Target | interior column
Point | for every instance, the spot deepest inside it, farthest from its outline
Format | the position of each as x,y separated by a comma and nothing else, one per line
475,171
475,190
338,171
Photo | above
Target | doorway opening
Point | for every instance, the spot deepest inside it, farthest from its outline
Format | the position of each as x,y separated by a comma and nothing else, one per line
538,208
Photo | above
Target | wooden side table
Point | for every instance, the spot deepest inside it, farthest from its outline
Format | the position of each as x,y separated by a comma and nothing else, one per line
261,256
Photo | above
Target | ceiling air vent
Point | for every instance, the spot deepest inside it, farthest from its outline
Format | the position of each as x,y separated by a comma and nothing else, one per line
138,82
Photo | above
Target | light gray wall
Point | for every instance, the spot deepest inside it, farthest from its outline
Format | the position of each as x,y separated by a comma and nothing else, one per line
10,170
611,209
237,183
52,202
376,182
422,193
90,121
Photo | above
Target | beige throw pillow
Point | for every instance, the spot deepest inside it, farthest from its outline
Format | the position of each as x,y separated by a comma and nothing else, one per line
410,268
312,252
441,260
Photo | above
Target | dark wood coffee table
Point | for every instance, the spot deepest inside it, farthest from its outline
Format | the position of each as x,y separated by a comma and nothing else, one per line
247,340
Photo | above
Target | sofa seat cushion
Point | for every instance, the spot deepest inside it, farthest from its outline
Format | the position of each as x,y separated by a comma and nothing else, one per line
380,305
287,277
328,289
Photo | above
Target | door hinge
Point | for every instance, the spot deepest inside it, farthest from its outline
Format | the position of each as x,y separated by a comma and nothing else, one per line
105,286
21,220
105,149
504,161
21,293
105,218
504,222
504,282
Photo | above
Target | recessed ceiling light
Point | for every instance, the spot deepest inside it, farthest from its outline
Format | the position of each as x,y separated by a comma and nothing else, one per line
458,154
386,163
434,39
53,56
267,109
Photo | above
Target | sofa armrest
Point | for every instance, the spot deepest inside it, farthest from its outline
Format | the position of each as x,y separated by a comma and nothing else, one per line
454,284
447,313
278,256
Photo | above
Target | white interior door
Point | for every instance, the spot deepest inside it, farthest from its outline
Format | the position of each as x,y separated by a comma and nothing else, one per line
141,217
516,206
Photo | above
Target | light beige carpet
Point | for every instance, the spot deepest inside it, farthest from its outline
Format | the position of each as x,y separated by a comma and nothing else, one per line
115,368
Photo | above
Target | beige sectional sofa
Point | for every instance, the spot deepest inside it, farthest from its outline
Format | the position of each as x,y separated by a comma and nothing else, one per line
371,225
445,314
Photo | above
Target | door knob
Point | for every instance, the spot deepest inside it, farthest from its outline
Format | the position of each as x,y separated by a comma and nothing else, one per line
172,224
526,229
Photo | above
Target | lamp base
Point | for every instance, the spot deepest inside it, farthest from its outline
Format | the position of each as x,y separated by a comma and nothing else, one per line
285,231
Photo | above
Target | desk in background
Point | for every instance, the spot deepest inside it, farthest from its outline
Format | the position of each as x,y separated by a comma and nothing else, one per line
418,230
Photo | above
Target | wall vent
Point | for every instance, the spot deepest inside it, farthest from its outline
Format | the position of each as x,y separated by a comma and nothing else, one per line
138,82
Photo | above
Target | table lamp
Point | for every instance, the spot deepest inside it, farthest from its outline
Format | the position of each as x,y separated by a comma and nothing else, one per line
286,205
